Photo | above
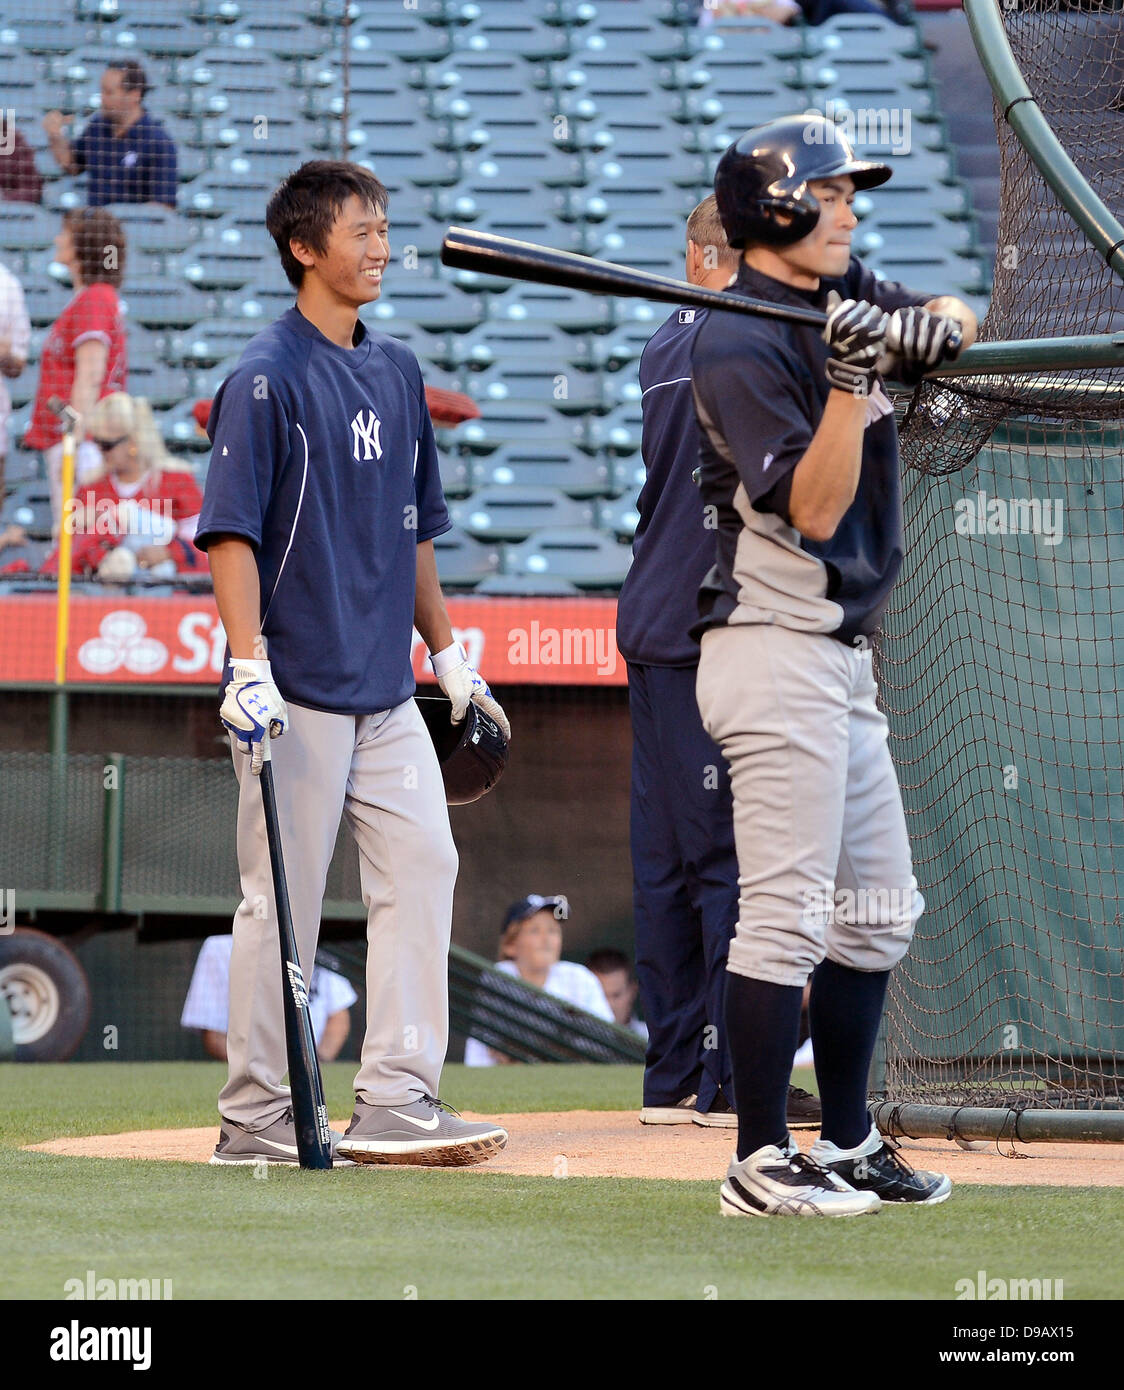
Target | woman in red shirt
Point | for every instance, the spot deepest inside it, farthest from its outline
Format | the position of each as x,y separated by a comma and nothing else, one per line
84,355
141,514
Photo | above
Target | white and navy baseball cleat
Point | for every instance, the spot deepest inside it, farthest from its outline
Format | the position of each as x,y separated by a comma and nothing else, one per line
875,1166
776,1182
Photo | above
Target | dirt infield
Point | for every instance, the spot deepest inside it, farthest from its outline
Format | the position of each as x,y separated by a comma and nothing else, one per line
613,1144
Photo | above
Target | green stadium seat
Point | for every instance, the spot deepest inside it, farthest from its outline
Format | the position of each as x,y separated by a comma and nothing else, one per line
462,561
177,429
527,586
457,468
433,304
568,14
501,339
631,29
163,387
25,230
585,557
620,517
511,29
617,433
216,11
651,240
884,231
547,464
620,350
510,422
208,342
154,230
391,30
509,157
29,506
862,33
45,300
514,513
546,382
231,264
572,310
156,302
643,162
63,34
286,36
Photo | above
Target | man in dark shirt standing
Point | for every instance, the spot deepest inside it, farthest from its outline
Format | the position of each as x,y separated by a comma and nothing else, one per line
129,156
799,458
684,865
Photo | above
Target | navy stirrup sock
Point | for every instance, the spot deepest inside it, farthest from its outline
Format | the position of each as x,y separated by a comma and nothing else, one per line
762,1027
844,1010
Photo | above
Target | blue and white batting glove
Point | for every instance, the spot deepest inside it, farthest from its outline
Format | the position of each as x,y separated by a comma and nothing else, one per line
462,684
253,708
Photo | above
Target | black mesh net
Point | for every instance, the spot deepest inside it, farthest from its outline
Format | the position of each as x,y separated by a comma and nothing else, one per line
1000,668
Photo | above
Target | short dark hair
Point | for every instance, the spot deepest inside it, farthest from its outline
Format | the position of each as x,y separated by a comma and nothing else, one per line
133,77
99,244
309,201
608,959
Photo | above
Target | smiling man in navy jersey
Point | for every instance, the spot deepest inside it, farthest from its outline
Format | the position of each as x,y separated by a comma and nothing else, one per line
322,501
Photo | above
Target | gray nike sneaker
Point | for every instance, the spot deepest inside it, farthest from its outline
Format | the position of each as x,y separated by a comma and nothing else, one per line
425,1131
276,1143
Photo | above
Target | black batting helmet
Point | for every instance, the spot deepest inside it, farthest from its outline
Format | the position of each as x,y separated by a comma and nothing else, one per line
472,754
768,170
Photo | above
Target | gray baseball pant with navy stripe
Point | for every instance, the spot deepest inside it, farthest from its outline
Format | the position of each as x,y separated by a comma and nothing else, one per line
824,864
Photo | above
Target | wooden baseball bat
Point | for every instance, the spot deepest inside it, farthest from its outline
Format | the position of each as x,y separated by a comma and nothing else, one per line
310,1114
464,249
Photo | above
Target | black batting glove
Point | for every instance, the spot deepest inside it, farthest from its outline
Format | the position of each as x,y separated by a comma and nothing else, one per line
917,341
856,334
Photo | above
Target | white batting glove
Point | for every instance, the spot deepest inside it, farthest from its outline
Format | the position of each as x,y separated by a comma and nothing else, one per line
253,708
462,684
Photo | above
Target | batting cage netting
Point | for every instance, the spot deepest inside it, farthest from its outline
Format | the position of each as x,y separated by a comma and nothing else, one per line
1001,665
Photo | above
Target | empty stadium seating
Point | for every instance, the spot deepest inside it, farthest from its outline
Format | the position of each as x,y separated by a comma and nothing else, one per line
590,126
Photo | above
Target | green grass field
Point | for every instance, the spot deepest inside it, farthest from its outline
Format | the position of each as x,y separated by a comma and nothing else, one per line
383,1232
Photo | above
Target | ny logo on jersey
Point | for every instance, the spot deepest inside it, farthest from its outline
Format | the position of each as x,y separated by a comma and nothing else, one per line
365,432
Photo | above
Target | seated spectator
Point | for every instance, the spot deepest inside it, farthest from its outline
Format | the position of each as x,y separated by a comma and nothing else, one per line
531,950
128,154
15,338
614,969
84,355
142,512
20,181
207,1006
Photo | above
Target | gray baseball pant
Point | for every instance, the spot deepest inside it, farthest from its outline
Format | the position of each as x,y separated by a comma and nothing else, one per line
380,771
824,863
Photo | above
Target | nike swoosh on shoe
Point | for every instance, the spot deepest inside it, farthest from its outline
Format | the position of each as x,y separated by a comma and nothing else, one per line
431,1123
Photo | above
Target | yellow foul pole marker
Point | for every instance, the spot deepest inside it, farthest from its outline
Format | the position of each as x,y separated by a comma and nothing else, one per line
66,536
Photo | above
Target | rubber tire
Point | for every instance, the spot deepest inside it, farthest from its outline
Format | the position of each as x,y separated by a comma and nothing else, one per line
56,969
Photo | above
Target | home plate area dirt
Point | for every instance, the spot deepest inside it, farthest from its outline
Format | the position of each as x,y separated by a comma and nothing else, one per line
613,1144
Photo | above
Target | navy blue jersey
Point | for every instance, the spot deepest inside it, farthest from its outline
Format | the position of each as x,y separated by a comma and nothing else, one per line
673,549
137,167
324,459
760,392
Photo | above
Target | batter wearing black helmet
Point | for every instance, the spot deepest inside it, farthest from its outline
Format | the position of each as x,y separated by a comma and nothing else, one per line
799,462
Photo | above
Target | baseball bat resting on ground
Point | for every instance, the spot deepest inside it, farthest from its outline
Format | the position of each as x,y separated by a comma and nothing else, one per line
310,1114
